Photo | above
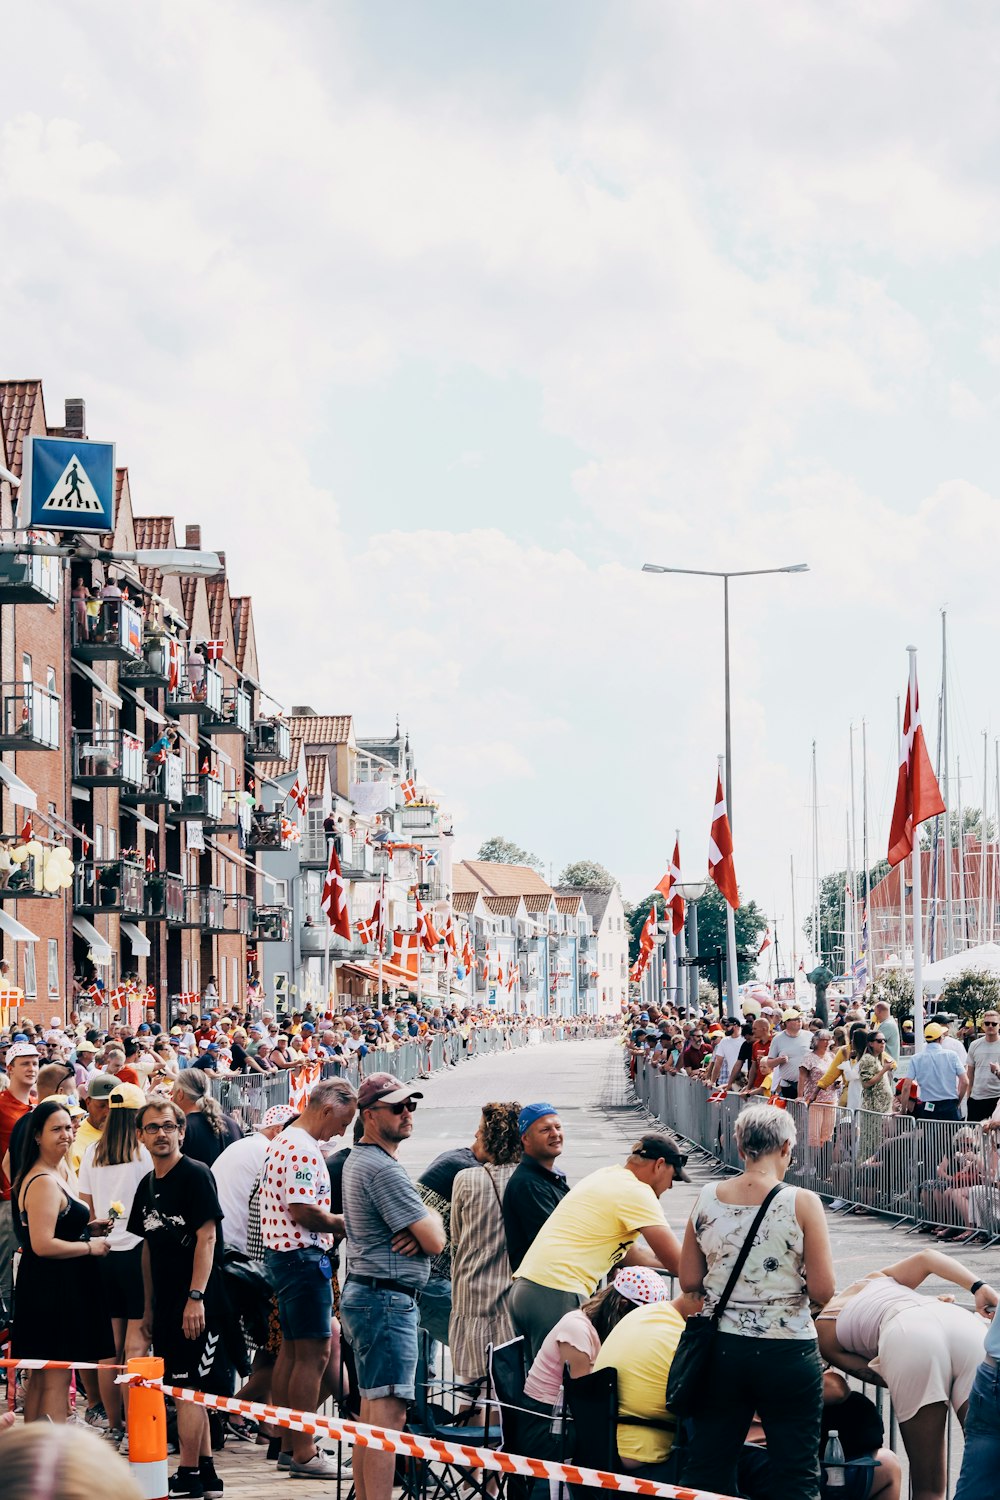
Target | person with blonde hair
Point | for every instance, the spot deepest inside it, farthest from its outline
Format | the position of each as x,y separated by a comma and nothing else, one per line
43,1462
208,1130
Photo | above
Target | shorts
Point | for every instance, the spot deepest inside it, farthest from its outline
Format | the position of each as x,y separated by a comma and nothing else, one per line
123,1294
381,1327
304,1289
929,1353
201,1363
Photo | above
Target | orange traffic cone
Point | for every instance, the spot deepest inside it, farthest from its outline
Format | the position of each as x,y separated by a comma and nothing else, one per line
147,1430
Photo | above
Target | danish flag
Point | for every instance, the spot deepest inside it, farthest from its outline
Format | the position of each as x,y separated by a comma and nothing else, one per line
409,790
468,957
404,952
173,665
150,863
214,650
27,832
299,794
366,927
334,897
675,901
426,931
766,943
449,937
918,796
721,867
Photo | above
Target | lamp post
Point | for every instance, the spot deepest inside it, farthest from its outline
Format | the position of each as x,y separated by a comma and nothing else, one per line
691,892
733,977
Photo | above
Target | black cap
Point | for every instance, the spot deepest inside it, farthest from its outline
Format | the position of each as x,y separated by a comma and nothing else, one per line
656,1147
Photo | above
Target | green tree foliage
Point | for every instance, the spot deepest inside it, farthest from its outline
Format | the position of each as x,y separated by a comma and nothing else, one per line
832,895
970,993
588,873
500,851
972,818
895,987
751,924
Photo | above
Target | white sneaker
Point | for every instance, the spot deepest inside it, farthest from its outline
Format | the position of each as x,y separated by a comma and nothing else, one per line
320,1466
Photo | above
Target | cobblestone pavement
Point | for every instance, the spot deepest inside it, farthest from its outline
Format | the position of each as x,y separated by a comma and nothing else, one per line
587,1082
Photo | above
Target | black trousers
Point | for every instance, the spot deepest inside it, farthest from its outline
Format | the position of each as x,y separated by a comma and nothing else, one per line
782,1379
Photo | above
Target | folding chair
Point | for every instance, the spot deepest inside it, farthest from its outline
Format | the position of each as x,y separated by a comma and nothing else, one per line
505,1376
591,1404
419,1481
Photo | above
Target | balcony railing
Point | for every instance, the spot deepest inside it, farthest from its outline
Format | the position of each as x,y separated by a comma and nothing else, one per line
113,634
357,858
164,898
30,719
234,714
152,668
314,848
24,882
312,937
109,885
202,800
204,907
108,757
265,830
238,915
272,924
271,740
419,819
163,786
27,579
198,691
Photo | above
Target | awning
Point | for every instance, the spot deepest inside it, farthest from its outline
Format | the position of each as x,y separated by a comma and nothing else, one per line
141,945
237,859
16,930
141,819
108,694
100,948
20,791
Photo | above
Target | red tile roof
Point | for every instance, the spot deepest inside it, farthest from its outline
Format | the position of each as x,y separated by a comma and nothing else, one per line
18,400
503,906
217,591
242,615
189,590
321,729
463,902
499,880
568,905
537,902
317,774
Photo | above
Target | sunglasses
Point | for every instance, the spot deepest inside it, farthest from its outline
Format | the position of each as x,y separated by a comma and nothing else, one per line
878,1041
397,1109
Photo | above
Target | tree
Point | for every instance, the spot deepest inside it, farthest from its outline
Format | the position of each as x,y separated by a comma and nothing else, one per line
500,851
832,895
589,874
895,987
970,993
751,924
972,818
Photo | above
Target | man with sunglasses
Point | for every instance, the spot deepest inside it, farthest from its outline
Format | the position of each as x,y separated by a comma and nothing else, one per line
983,1069
392,1236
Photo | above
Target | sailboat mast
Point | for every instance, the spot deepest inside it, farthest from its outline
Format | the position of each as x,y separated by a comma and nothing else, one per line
949,915
983,845
817,937
849,954
853,863
795,967
963,921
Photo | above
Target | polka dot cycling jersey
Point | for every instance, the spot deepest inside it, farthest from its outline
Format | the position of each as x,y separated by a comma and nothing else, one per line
294,1172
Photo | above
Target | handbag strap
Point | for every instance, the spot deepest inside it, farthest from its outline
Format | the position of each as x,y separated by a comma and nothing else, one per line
741,1259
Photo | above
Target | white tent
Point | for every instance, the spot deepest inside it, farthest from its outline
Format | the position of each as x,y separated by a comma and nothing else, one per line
983,959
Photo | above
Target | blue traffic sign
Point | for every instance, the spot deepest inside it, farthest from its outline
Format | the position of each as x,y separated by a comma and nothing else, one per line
69,484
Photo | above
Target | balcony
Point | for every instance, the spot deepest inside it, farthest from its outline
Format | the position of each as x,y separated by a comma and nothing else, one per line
28,579
271,740
265,831
314,848
201,801
24,882
108,757
30,719
198,691
419,820
164,898
163,786
113,634
111,886
152,668
272,924
238,915
357,858
313,937
234,714
204,907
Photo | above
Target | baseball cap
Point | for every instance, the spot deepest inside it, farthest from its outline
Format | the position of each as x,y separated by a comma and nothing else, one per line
85,1046
384,1088
278,1114
69,1105
532,1112
308,1026
654,1146
102,1086
791,1015
126,1096
22,1049
640,1284
933,1032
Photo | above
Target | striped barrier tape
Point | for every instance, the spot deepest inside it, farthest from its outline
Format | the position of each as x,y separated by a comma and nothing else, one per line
55,1364
434,1450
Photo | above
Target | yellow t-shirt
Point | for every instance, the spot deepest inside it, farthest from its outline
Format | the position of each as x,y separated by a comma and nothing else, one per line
641,1348
85,1136
590,1230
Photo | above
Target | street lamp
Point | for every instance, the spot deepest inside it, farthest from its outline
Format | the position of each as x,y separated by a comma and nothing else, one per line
173,560
725,576
691,892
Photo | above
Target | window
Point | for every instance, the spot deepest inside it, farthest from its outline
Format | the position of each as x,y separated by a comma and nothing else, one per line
98,840
30,982
112,843
25,666
50,679
280,983
53,946
98,714
279,893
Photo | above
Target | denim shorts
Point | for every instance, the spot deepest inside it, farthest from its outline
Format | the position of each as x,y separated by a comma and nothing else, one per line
381,1328
304,1291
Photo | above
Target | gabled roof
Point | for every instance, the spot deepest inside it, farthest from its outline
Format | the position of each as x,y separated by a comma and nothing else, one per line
537,902
216,588
153,531
317,774
20,406
189,591
463,903
503,906
242,617
501,880
595,899
321,729
569,906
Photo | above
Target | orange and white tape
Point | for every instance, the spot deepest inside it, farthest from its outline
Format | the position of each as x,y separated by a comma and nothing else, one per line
54,1364
434,1450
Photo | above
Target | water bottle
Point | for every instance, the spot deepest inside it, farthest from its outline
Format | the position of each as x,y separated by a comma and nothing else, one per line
557,1415
833,1462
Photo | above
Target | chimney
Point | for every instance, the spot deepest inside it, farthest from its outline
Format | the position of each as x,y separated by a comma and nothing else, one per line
222,558
76,417
192,538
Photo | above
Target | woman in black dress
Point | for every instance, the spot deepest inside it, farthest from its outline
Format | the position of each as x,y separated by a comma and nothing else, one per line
58,1310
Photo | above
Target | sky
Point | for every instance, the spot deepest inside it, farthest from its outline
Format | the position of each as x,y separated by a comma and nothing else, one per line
441,319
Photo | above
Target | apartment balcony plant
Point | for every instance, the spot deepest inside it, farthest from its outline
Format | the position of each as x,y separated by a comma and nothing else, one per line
110,886
26,578
272,924
163,785
234,713
197,692
204,907
29,719
164,897
202,800
270,740
108,757
113,634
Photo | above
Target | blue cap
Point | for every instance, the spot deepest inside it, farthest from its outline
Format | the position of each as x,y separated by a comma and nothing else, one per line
308,1026
212,1047
532,1112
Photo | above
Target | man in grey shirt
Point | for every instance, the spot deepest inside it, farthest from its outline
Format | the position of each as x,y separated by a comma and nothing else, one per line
788,1050
392,1237
984,1069
887,1027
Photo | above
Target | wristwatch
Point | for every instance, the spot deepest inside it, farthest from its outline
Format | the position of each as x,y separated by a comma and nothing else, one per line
196,1296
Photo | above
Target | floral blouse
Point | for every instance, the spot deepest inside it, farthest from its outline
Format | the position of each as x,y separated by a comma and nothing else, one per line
879,1096
769,1300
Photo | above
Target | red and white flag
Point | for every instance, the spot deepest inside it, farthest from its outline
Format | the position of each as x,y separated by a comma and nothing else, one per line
720,849
150,862
299,794
405,953
450,941
426,931
378,916
334,897
672,899
214,650
409,790
648,934
27,832
918,796
468,957
766,943
365,927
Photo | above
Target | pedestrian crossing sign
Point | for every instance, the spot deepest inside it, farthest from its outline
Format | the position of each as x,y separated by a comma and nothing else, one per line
69,485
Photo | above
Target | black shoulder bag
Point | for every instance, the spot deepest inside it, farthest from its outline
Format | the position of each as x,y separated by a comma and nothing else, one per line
686,1381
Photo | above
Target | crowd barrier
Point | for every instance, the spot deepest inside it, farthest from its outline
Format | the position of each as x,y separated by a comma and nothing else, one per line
937,1174
248,1096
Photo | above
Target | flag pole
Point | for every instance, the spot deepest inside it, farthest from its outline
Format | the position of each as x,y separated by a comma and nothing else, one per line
915,883
380,935
732,972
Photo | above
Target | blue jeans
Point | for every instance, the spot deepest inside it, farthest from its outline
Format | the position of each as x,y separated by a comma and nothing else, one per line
981,1462
302,1285
381,1328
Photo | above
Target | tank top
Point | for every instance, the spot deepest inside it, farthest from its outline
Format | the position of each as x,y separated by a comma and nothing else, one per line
769,1301
863,1316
